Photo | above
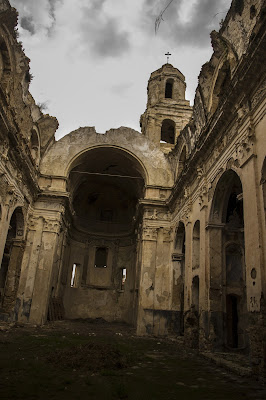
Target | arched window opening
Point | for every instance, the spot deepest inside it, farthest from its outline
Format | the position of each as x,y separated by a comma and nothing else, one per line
168,131
101,257
196,246
34,146
182,161
195,293
219,88
169,89
228,201
180,239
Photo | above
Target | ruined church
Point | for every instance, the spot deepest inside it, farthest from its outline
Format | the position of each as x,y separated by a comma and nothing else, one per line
163,229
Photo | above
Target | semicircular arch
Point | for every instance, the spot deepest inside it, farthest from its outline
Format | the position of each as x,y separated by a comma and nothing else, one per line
228,183
80,156
62,156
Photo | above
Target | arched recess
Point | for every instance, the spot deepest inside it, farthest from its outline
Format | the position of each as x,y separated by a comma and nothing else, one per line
35,146
196,246
182,161
227,244
178,258
105,185
168,131
169,88
221,78
11,262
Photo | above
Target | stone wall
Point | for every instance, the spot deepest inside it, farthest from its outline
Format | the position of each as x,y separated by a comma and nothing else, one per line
186,219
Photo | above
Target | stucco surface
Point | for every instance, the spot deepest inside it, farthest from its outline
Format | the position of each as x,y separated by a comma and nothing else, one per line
59,158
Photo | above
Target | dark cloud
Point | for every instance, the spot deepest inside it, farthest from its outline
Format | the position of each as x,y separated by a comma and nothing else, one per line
34,15
195,31
52,13
102,33
27,24
109,42
52,5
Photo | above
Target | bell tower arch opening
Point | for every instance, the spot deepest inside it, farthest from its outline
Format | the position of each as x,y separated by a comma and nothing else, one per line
168,131
169,89
105,185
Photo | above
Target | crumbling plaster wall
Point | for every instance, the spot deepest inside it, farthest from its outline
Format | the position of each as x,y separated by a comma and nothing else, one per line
230,135
240,22
61,156
19,162
225,133
99,292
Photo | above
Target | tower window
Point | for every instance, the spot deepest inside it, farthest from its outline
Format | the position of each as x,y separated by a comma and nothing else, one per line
169,89
101,257
168,131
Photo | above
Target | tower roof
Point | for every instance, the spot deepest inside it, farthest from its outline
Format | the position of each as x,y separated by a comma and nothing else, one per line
167,69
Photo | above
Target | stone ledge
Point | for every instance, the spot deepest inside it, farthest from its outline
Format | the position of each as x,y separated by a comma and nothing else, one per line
229,365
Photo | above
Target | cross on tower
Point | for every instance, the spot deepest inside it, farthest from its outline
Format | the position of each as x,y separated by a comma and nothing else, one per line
168,54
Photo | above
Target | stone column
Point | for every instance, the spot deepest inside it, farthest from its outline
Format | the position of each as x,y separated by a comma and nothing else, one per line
59,263
188,267
214,239
42,284
4,225
145,320
13,274
163,279
28,268
255,269
36,271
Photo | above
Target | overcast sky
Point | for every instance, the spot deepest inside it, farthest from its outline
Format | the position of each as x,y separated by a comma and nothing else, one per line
91,59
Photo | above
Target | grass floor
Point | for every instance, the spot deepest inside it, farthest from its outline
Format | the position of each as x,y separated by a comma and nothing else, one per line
87,361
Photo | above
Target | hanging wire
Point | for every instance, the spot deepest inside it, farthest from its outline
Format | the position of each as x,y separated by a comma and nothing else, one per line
159,19
99,173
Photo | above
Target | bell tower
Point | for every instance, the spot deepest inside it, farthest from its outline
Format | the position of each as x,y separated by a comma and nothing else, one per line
167,110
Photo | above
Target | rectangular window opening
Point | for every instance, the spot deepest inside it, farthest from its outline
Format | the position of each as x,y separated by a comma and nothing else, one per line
124,277
73,275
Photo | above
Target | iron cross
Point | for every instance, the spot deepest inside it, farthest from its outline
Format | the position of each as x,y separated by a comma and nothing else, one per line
168,54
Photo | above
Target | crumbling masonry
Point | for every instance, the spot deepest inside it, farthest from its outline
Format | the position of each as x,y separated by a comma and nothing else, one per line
163,229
